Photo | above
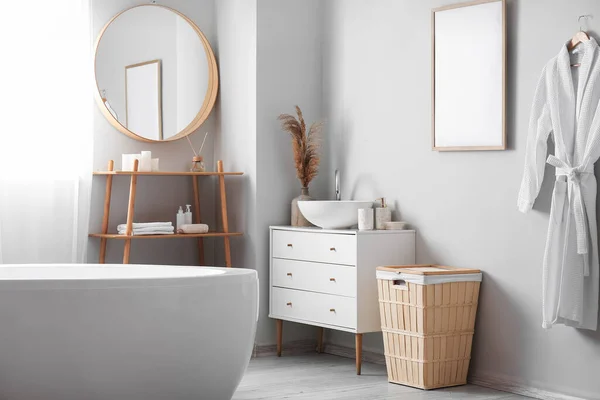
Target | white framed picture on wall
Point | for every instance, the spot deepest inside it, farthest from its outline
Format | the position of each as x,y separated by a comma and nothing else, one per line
469,76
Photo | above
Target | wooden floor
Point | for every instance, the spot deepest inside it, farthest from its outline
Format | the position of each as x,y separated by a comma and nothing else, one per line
323,376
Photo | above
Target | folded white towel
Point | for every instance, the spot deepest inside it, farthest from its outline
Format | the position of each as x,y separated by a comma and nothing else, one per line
134,233
193,228
160,228
149,231
136,225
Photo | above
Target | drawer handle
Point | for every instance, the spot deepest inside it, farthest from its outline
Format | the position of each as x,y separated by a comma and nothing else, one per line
331,279
289,304
332,249
290,245
332,310
289,274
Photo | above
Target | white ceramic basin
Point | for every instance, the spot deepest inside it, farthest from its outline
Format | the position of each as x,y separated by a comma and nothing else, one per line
332,214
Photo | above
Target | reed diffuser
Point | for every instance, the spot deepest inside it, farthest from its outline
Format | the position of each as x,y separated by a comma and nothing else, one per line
197,160
306,145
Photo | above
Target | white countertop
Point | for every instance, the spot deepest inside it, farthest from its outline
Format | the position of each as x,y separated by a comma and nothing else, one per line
342,231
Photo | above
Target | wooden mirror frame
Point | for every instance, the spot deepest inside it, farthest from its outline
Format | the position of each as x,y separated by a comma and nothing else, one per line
211,93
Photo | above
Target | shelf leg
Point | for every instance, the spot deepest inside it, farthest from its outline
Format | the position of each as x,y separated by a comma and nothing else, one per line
130,210
107,196
224,213
359,337
320,340
279,335
197,218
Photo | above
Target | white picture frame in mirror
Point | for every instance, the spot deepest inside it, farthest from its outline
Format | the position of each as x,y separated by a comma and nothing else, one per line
469,76
143,99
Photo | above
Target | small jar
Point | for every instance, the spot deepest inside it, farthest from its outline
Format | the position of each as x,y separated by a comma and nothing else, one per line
197,164
365,219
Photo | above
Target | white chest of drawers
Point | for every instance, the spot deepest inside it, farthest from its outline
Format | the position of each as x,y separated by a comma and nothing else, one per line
327,278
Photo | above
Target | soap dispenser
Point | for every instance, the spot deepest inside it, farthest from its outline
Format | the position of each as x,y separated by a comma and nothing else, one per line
188,215
180,218
383,214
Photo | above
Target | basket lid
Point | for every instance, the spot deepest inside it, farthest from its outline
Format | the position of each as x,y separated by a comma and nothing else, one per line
428,269
428,274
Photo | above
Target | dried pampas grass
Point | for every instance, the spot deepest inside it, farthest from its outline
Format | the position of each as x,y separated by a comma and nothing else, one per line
306,145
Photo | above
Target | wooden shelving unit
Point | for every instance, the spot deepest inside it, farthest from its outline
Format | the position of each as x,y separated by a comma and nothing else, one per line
104,236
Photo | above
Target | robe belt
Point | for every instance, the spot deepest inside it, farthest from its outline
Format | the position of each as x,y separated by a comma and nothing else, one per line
573,175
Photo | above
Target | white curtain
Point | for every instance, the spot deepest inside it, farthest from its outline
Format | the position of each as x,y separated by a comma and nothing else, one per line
46,130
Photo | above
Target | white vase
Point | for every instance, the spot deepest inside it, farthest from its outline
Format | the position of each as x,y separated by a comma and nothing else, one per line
297,217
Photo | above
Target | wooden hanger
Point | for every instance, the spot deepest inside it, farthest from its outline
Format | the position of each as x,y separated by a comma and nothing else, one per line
579,37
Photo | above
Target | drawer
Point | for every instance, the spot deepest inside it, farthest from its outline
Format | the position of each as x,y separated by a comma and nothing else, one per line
328,248
304,275
314,307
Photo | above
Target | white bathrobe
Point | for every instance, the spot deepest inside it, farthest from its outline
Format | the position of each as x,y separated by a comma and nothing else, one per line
566,106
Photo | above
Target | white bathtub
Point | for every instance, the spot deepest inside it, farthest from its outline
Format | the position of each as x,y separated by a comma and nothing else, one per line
108,332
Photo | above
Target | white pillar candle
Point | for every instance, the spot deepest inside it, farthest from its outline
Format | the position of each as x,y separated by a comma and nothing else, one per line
127,162
145,161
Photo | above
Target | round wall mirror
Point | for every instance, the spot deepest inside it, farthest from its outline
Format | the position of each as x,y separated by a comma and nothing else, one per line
156,74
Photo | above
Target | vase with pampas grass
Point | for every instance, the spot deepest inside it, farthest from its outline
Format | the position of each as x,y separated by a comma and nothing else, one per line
306,145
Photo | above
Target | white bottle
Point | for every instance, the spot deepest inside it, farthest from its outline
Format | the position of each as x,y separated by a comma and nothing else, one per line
188,215
180,218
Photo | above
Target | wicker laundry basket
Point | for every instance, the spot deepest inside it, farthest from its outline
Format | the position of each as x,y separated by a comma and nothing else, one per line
427,320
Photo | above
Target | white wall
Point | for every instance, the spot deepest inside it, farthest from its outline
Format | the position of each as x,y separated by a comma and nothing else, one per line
288,73
158,197
270,60
236,110
463,205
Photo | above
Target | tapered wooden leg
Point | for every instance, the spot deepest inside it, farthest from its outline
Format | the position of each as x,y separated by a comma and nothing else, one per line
197,217
127,251
130,210
358,352
320,340
107,196
279,336
224,213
